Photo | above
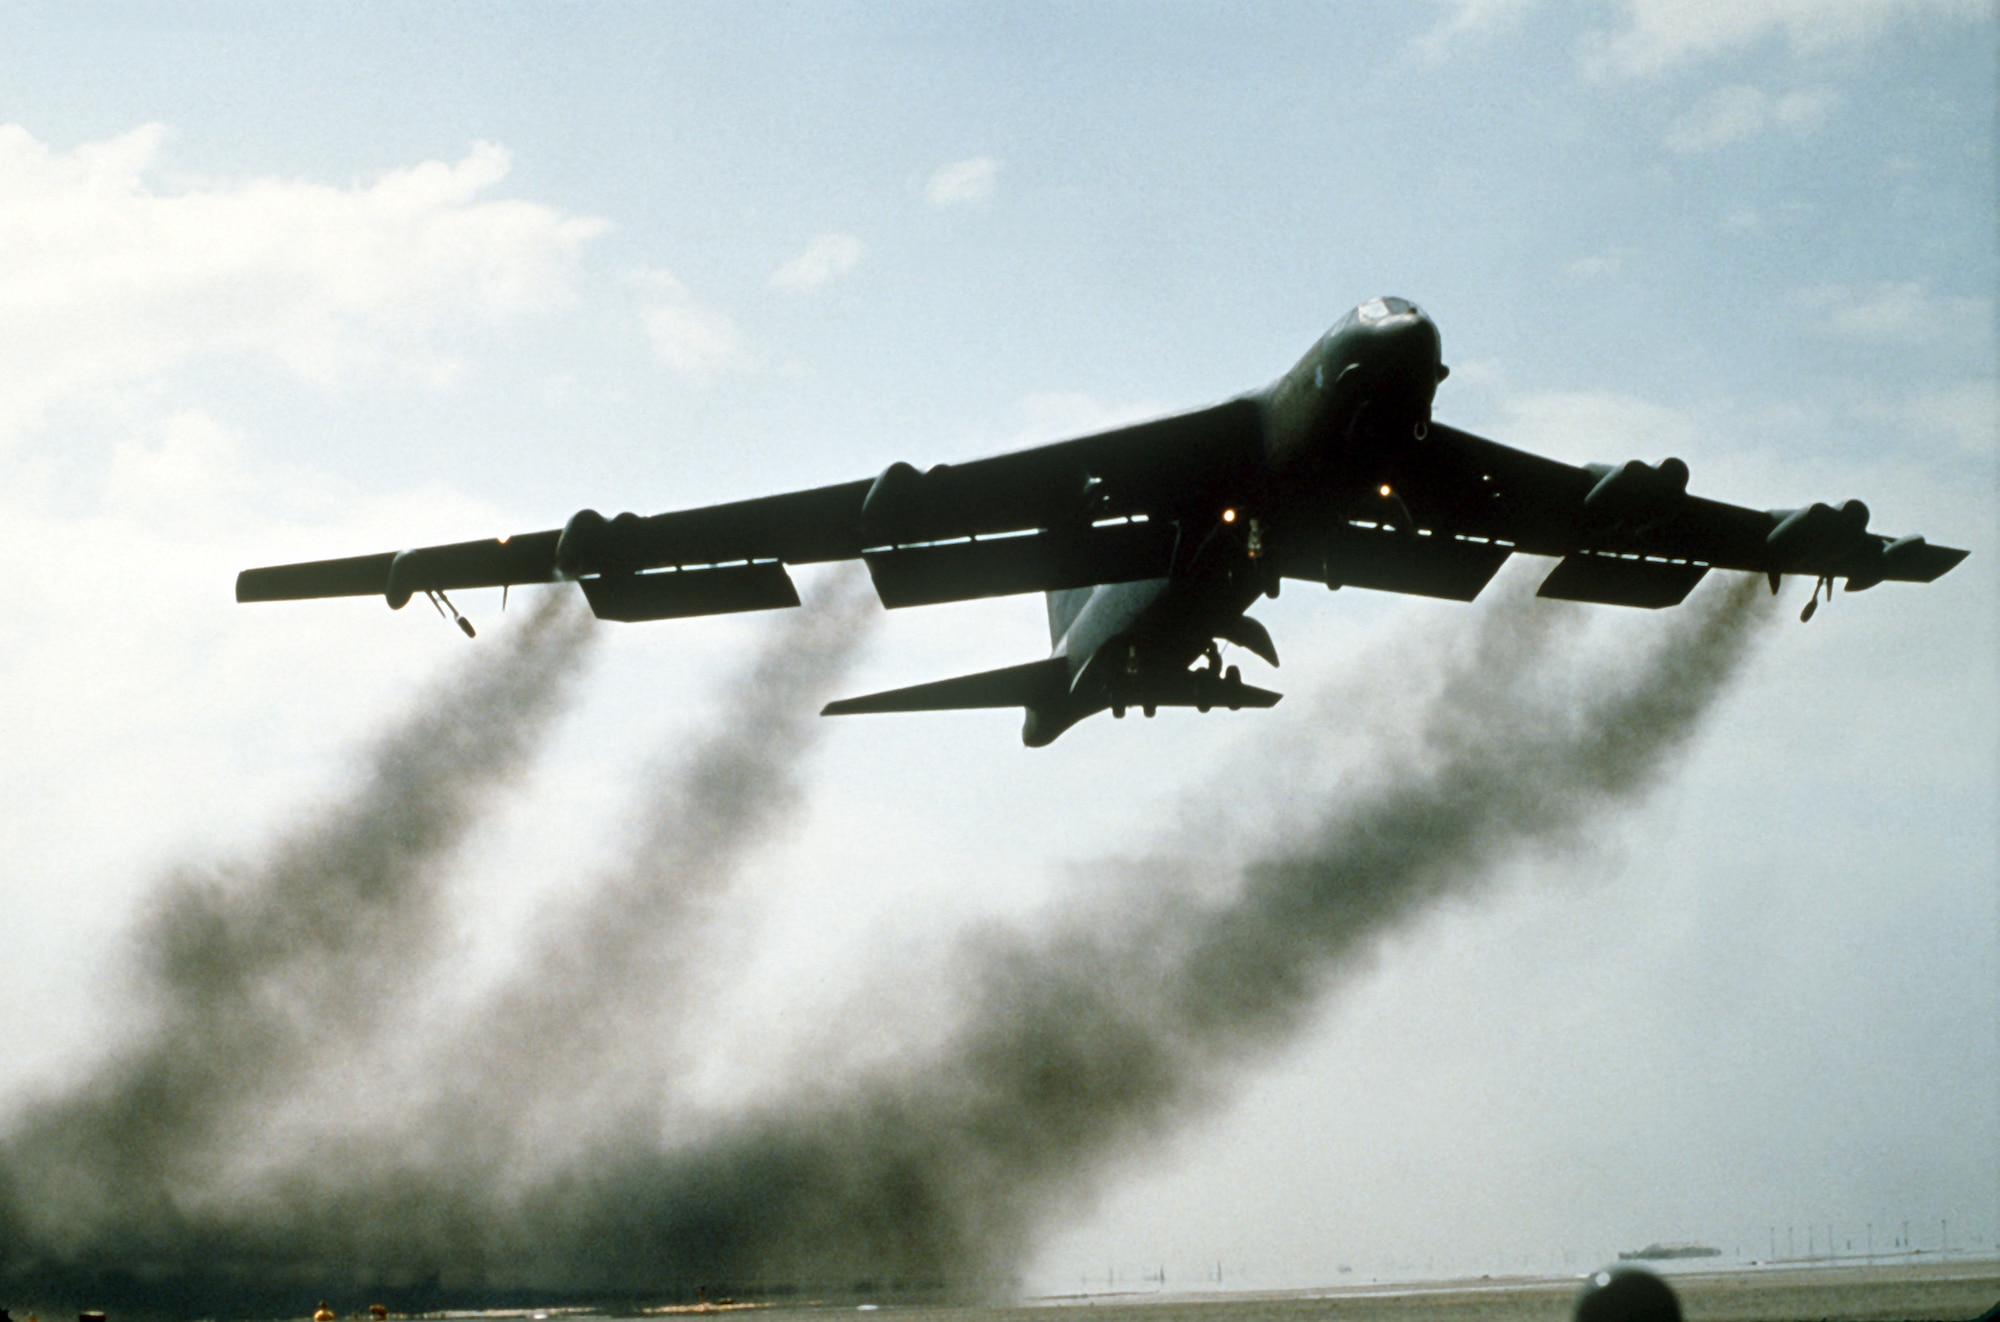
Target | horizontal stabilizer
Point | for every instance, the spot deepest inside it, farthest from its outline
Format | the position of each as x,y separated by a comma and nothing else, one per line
1032,685
1199,689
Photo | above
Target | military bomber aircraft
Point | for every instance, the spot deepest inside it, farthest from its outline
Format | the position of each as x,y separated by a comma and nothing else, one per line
1151,541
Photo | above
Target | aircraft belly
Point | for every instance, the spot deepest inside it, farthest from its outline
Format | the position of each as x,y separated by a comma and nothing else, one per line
1158,628
1114,610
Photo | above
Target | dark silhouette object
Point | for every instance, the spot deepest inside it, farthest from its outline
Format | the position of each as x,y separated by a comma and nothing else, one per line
1151,541
90,1317
1627,1295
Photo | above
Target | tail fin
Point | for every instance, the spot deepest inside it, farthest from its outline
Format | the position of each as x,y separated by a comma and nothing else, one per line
1035,684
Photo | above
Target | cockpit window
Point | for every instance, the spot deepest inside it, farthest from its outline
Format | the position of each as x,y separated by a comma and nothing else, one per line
1377,308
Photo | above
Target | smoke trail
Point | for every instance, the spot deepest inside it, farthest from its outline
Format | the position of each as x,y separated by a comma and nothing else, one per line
1074,1042
255,972
572,1055
1082,1041
582,1039
576,1039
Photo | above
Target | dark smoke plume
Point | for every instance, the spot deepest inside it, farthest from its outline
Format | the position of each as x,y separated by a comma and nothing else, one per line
1082,1041
1075,1042
580,1039
257,974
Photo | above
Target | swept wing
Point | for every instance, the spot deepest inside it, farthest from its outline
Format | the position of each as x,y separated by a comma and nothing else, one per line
1097,509
1458,505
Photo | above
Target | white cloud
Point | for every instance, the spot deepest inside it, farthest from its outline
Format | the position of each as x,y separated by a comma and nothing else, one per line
962,183
1058,414
1600,425
825,260
1961,419
1596,266
1729,114
1658,35
107,276
1469,19
697,341
162,718
1904,312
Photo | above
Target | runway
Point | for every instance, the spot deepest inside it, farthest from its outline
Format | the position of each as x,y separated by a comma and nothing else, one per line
1953,1290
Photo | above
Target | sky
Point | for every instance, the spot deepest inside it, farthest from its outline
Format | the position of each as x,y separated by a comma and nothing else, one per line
280,282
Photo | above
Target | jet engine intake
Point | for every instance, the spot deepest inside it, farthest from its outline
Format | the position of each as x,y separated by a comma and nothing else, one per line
581,546
1818,532
893,509
1636,493
593,544
402,580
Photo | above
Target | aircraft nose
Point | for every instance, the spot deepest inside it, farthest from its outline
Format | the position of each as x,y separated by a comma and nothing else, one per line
1411,346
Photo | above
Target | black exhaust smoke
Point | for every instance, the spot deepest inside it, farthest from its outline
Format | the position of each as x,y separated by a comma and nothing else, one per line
261,976
1083,1042
1073,1043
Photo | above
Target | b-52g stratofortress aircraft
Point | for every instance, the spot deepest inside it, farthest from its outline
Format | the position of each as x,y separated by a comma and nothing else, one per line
1151,541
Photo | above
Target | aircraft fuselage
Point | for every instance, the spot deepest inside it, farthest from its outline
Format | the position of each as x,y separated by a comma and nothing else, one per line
1332,428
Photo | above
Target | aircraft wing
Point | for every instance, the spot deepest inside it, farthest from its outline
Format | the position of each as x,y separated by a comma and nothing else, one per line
1625,534
1096,509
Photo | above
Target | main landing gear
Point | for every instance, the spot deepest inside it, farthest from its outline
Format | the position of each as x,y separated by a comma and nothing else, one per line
1212,685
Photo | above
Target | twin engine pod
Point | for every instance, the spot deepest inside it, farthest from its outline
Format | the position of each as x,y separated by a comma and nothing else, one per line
593,544
402,580
1819,530
621,575
905,505
1636,493
624,565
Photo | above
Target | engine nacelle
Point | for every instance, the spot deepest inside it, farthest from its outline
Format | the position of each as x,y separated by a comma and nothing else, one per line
593,544
581,546
1637,493
1819,530
893,507
402,580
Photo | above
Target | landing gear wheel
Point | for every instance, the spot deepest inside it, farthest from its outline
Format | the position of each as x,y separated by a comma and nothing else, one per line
1232,682
1149,710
